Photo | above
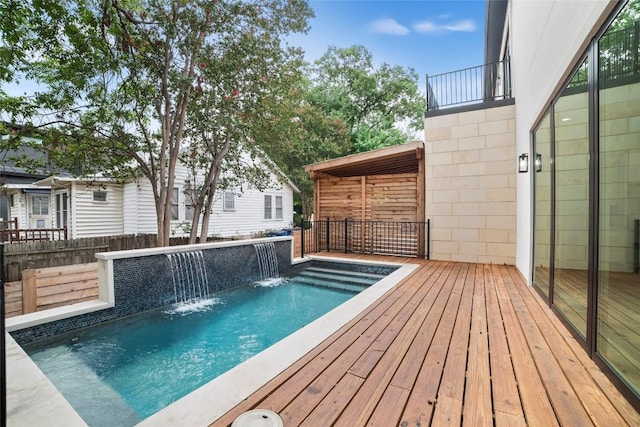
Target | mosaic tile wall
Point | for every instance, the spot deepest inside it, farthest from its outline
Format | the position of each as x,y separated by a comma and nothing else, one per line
145,283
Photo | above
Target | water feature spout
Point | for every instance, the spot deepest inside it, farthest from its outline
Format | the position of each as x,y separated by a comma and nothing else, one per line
267,260
189,276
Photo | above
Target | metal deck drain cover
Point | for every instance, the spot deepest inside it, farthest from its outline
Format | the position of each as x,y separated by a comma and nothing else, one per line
258,418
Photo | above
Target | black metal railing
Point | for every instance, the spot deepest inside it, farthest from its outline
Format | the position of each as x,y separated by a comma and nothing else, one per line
489,82
619,59
366,237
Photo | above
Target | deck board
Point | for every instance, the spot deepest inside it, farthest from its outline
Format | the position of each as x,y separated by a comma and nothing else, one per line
422,384
452,344
535,402
477,399
506,399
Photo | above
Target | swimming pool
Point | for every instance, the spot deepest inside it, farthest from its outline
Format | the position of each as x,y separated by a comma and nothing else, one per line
133,367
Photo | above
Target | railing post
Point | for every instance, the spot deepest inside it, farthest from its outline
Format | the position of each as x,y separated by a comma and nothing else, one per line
636,246
328,236
427,89
302,238
636,36
3,348
428,238
346,234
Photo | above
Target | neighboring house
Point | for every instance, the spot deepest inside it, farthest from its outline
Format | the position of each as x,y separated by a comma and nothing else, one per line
236,211
102,207
542,167
19,197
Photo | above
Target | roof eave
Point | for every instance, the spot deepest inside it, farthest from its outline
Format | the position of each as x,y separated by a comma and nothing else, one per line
380,153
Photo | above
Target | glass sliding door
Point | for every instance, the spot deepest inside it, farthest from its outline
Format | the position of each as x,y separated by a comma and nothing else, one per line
618,300
542,169
587,200
571,146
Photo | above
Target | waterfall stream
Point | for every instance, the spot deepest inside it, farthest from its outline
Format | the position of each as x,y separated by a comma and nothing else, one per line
189,276
267,260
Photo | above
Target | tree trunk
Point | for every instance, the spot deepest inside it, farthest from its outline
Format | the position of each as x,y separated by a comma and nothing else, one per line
195,222
206,218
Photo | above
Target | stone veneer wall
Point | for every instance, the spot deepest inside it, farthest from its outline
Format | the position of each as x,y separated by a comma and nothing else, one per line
470,183
145,282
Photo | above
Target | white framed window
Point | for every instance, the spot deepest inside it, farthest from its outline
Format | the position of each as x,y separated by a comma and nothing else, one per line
278,207
62,209
189,211
99,196
189,204
174,205
267,207
40,205
229,201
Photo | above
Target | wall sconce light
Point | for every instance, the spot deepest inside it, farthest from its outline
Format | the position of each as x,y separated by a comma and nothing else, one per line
538,162
523,163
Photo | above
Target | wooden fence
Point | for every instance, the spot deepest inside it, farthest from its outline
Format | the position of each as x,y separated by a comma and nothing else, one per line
13,298
44,288
47,274
56,253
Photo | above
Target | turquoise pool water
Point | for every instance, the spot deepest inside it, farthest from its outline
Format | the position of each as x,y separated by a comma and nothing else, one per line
120,372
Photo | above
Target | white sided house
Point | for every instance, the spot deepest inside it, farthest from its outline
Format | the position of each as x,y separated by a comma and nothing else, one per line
101,207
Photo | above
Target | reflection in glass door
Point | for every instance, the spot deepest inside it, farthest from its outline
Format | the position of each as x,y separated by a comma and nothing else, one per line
618,301
571,143
542,170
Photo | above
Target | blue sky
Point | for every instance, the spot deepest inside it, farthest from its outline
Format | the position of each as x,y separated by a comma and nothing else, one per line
430,36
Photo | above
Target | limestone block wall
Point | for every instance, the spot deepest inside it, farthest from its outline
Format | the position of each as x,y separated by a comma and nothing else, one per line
470,185
571,143
619,176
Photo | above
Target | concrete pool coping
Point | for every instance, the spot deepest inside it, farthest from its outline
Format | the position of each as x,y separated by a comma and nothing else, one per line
33,400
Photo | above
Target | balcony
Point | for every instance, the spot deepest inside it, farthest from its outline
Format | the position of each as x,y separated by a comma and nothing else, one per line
469,89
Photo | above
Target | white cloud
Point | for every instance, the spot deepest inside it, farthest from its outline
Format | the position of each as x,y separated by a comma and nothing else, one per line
389,26
431,27
464,25
426,27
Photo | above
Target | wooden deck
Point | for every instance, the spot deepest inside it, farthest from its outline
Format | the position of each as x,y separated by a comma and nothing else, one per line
453,344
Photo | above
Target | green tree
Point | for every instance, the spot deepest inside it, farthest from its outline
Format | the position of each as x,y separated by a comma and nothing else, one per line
345,106
308,136
370,100
126,88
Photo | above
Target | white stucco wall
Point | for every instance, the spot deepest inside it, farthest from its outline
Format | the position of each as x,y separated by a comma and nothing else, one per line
547,38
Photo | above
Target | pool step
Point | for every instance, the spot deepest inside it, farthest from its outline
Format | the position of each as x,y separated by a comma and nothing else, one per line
338,278
347,280
329,284
373,276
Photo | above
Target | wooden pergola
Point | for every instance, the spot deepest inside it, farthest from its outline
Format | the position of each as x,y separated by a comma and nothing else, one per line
380,186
